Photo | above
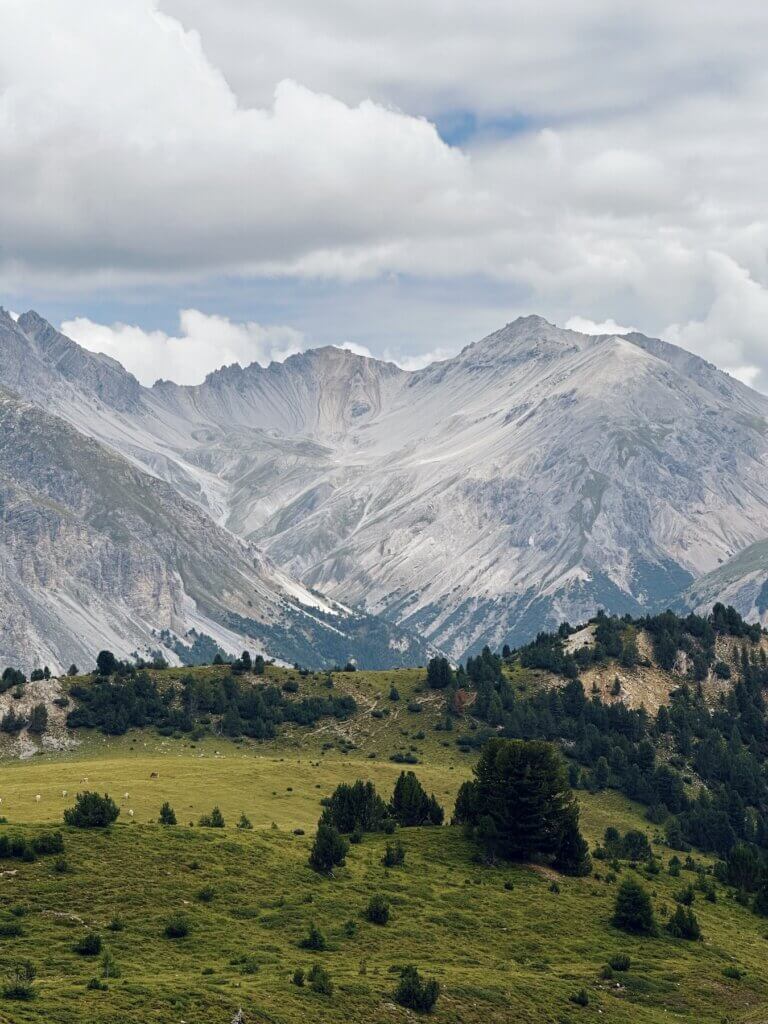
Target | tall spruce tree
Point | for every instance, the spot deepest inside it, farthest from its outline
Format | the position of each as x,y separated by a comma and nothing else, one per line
522,788
439,673
410,804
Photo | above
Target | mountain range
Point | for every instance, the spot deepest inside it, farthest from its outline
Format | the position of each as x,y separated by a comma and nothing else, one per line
335,506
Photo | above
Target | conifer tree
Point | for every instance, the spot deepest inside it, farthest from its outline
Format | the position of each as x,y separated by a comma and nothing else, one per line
329,849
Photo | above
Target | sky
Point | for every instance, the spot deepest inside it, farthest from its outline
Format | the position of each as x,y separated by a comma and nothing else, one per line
185,184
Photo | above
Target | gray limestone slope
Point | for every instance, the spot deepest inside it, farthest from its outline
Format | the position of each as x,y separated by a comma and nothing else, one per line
536,475
97,553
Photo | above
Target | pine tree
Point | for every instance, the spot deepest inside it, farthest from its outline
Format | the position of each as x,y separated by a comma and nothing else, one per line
683,924
439,673
38,719
523,787
760,904
329,849
92,811
410,804
167,814
572,857
633,911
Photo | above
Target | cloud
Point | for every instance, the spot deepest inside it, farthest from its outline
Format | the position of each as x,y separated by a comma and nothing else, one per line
539,58
418,362
732,334
204,343
584,325
619,155
105,171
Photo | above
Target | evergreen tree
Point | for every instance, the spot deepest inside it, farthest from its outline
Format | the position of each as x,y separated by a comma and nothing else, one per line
329,849
355,807
38,719
92,811
633,911
415,992
523,788
683,924
106,663
410,804
572,857
601,774
167,814
439,673
760,903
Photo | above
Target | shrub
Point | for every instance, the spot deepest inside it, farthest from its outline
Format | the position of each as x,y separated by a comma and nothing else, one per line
298,977
213,820
314,939
10,930
685,896
19,983
394,855
177,927
733,973
633,911
620,962
377,911
244,823
206,894
92,811
320,980
48,842
109,966
415,992
580,998
116,924
683,924
89,945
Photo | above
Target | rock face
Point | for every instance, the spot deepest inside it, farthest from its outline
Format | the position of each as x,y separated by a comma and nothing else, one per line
538,475
96,553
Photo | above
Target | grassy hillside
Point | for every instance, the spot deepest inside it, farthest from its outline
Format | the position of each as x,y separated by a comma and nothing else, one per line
507,943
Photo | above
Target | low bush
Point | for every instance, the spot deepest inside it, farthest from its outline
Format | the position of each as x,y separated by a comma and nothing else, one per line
377,911
89,945
414,992
177,927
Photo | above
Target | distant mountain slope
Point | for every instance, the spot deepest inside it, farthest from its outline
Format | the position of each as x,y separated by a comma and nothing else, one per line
96,553
537,475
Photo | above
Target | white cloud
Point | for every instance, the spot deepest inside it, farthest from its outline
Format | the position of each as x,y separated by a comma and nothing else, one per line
359,350
584,325
418,362
532,57
107,170
204,343
734,332
264,140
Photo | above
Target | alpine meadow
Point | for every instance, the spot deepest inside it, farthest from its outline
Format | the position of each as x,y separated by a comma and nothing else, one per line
383,512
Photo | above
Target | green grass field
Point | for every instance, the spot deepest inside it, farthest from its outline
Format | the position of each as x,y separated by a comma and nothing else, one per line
501,954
